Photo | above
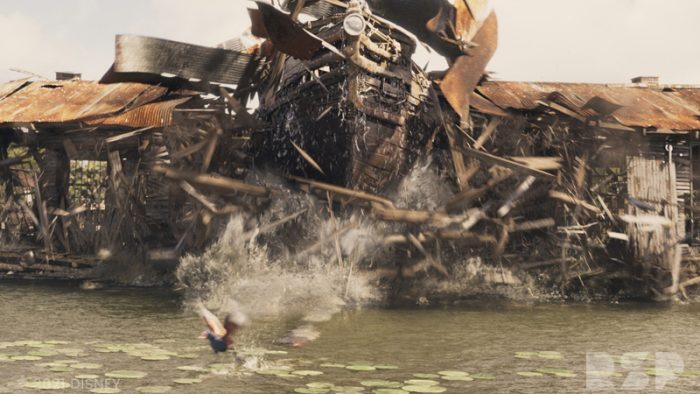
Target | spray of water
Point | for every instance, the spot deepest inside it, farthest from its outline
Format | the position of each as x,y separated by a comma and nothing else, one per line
312,267
271,276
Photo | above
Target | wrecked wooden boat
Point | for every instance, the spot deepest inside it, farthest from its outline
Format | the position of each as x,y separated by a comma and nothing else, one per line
358,105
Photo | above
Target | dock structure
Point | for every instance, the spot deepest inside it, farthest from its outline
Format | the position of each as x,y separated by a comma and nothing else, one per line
590,185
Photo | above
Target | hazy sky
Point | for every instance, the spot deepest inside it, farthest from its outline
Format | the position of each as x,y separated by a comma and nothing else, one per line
541,40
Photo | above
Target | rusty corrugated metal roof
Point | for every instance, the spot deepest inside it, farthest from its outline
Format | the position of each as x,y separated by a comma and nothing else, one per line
72,101
638,106
158,114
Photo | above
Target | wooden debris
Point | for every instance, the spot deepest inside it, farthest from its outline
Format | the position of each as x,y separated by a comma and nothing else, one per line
568,199
215,182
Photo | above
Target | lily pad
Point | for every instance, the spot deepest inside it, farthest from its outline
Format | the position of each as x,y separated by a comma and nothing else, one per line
187,381
526,355
86,366
330,365
389,391
87,376
155,357
26,358
308,390
47,385
188,356
61,369
550,355
67,361
320,385
604,374
125,374
424,389
192,368
659,372
361,368
43,353
530,374
421,382
554,371
305,372
105,390
453,373
154,389
426,376
349,390
385,366
380,383
565,375
458,378
55,342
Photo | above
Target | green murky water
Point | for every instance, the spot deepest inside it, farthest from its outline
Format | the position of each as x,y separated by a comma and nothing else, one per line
58,336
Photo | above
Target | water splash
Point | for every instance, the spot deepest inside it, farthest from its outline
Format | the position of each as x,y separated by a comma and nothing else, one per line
271,279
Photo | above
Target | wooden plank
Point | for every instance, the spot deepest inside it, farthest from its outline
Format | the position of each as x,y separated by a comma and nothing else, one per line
495,160
139,54
544,163
568,199
216,182
130,134
488,132
461,172
345,192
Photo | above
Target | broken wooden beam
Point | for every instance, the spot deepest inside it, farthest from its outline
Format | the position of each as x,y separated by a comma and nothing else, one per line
216,182
571,200
496,160
345,192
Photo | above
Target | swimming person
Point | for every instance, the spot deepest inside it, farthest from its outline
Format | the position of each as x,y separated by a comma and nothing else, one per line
220,336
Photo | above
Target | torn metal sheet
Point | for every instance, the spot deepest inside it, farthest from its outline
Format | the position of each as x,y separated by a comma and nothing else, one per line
467,71
640,107
70,101
287,35
147,55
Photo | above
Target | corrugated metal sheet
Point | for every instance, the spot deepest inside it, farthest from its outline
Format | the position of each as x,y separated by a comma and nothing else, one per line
159,114
639,106
70,101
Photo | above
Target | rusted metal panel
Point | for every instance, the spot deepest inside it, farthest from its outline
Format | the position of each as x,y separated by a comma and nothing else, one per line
69,101
636,106
484,106
158,114
147,55
465,73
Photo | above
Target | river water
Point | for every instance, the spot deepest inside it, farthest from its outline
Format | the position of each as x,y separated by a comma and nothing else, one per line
92,333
